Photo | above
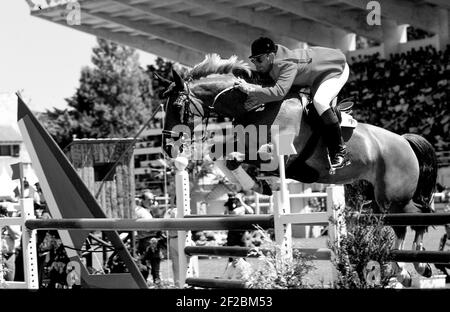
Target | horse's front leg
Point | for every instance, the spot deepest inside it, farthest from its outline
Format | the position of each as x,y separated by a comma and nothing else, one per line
221,165
233,171
233,163
402,274
423,269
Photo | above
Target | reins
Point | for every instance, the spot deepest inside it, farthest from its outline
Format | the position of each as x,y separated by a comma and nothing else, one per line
204,113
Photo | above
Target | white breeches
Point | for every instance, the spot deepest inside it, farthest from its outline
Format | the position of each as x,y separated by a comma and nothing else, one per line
328,90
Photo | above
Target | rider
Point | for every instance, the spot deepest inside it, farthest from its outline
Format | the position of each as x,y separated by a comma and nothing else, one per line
324,70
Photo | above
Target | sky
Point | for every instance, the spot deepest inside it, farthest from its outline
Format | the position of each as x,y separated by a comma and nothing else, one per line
41,58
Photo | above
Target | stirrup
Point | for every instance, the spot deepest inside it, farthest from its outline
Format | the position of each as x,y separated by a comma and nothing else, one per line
346,161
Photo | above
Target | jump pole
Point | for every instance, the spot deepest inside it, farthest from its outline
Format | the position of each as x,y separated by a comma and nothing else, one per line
283,230
335,211
183,208
184,267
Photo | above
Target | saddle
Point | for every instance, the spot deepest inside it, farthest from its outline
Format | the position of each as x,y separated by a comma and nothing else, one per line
343,111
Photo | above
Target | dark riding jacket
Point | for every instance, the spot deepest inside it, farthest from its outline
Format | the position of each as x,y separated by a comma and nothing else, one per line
300,68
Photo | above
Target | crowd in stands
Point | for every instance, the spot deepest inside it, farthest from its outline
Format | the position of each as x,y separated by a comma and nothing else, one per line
409,92
413,33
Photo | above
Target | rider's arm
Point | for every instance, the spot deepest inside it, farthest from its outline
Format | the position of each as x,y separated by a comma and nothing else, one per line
287,73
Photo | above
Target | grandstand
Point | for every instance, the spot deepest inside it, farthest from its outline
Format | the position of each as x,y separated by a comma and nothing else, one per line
388,93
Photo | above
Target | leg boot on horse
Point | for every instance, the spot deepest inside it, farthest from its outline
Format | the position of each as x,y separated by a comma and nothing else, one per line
423,269
402,275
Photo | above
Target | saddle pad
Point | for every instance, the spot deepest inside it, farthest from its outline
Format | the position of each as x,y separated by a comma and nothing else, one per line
348,121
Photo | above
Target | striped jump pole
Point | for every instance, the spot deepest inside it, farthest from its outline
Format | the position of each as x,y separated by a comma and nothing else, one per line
234,251
183,208
424,219
283,230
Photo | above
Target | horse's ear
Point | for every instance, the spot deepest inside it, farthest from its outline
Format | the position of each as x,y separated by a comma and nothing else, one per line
162,81
179,82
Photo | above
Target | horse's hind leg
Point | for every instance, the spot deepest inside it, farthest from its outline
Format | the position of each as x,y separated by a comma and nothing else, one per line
402,274
423,269
384,205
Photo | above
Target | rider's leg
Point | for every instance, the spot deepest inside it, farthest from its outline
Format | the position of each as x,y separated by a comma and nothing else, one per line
325,93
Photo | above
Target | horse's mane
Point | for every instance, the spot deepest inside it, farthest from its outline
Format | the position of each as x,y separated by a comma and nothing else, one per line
214,64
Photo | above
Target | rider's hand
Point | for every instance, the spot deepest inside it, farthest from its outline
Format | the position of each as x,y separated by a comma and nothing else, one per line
244,86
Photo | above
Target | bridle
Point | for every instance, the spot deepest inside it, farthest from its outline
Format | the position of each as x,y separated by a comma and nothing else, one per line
184,100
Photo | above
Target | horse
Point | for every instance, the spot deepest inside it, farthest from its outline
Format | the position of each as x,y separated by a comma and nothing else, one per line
401,169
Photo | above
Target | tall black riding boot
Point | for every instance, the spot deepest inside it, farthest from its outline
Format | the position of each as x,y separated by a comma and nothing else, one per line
333,139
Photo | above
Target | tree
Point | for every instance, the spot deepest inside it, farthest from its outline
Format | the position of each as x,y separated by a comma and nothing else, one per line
113,99
163,69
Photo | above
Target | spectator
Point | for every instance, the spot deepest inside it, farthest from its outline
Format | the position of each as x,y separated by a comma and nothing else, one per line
142,210
152,259
39,199
236,206
11,236
444,245
203,208
57,269
149,201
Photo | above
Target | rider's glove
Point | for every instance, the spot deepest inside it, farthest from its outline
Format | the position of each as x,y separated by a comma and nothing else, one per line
244,86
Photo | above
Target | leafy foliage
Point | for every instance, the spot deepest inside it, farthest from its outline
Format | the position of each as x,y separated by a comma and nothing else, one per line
362,250
113,99
162,69
276,271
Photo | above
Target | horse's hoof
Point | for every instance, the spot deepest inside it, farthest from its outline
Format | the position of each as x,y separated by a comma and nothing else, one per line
427,272
263,188
405,280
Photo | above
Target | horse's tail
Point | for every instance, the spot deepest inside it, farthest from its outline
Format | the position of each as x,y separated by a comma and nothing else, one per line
427,170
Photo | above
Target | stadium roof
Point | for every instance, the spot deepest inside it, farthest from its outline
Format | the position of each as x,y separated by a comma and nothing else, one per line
184,30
